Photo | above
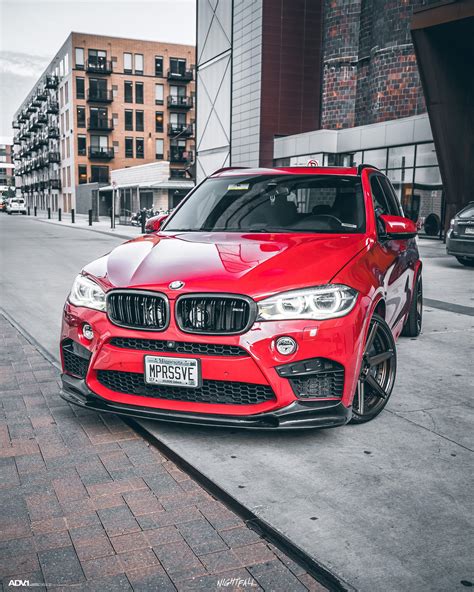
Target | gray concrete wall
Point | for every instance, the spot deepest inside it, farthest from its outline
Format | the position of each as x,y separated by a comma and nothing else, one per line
246,83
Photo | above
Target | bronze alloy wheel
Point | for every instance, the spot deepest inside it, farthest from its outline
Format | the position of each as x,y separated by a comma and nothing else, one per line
377,374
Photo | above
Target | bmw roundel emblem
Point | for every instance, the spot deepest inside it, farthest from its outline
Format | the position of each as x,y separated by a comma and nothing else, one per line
176,285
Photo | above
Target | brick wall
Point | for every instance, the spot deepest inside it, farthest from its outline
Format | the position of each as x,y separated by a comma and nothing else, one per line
369,66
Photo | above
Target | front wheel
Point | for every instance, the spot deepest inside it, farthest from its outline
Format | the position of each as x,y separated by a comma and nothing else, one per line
467,261
377,373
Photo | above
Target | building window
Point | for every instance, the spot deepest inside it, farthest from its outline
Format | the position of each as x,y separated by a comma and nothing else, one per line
158,66
81,145
138,92
67,120
177,66
79,58
127,63
81,117
159,146
159,94
159,121
138,63
139,148
82,173
99,174
66,92
98,145
97,58
80,88
139,121
128,147
128,120
128,91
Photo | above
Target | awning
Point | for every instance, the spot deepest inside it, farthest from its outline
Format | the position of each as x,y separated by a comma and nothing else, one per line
171,184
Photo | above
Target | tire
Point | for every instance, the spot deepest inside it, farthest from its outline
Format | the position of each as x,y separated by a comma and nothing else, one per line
23,213
378,372
414,322
467,261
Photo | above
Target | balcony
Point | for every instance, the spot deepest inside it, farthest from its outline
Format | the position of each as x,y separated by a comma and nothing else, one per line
52,81
182,156
16,124
52,107
179,102
54,157
99,66
31,108
102,125
16,139
99,96
42,118
184,76
41,94
101,153
53,132
183,130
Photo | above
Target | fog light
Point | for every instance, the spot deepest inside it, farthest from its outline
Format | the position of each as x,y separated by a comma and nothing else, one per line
87,331
286,346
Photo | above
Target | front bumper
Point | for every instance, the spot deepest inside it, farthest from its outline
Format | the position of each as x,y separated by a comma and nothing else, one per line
299,414
339,341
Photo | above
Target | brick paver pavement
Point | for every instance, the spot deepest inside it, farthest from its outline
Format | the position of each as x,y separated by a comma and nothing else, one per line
87,503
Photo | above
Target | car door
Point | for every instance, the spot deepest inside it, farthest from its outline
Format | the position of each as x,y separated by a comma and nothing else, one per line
397,272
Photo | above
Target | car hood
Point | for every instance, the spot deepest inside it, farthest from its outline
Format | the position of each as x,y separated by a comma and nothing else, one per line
254,264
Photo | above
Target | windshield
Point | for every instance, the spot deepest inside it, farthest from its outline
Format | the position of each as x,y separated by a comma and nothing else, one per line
281,203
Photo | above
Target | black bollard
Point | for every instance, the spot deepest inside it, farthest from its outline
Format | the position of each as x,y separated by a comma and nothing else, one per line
73,216
35,210
29,211
60,213
90,217
49,213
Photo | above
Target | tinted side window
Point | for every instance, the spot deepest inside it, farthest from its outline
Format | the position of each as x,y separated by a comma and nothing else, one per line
392,200
381,205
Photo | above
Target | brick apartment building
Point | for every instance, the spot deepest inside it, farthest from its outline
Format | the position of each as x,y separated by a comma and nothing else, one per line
104,103
7,172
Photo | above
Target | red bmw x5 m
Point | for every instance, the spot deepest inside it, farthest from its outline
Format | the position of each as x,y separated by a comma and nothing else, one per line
269,298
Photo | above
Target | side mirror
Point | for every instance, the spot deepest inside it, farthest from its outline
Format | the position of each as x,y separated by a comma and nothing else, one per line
398,227
154,224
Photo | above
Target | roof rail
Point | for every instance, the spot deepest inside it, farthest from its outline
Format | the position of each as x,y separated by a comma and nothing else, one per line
230,168
361,167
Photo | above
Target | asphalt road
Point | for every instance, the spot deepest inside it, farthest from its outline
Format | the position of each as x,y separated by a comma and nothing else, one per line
387,506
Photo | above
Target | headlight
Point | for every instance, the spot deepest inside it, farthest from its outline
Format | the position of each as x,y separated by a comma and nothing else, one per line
85,292
322,302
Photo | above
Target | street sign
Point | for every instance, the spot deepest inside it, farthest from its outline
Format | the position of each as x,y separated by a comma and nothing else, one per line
312,163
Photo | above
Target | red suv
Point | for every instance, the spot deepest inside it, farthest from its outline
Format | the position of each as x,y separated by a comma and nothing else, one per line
269,298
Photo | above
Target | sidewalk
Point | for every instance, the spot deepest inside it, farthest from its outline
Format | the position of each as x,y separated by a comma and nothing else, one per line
82,222
86,501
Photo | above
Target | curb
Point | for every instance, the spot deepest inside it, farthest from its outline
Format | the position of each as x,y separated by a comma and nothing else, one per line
106,232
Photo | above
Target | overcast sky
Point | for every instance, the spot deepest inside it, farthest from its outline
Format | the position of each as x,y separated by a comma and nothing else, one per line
31,32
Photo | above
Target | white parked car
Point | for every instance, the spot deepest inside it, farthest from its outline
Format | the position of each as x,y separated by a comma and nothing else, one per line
16,205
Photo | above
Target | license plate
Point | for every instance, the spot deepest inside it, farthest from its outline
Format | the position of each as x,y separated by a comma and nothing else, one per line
172,371
469,230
